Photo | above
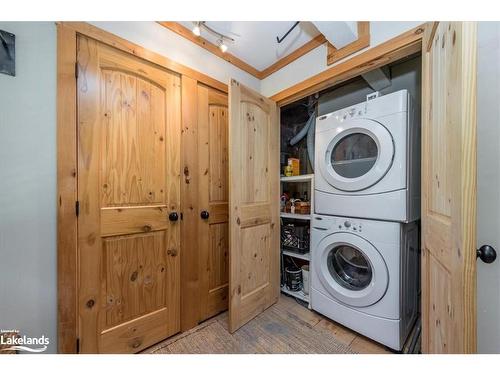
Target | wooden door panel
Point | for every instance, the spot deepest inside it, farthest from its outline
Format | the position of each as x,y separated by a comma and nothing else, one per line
255,253
449,188
134,267
213,197
128,182
132,138
255,169
218,168
218,256
254,211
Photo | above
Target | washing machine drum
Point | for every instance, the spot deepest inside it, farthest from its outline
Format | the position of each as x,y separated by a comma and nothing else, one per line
351,269
356,154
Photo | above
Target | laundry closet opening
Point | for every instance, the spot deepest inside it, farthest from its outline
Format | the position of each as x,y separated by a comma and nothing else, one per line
350,202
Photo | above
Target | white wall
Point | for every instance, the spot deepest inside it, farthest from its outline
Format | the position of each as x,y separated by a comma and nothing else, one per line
167,43
314,62
28,184
488,184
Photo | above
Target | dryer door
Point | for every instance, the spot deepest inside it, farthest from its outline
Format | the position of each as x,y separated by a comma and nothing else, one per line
355,154
351,269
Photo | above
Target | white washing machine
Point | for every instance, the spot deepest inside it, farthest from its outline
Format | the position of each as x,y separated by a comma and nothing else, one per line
367,160
365,276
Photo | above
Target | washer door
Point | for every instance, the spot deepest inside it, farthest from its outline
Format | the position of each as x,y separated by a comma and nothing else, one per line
358,155
351,269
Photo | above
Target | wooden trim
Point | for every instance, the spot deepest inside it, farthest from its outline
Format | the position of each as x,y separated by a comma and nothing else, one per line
190,309
203,43
260,74
301,51
363,41
431,29
145,54
399,47
468,205
66,191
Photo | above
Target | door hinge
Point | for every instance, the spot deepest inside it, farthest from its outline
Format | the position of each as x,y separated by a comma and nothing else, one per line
77,345
76,70
77,208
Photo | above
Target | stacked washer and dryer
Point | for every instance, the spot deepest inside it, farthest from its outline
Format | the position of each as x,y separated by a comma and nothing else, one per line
365,236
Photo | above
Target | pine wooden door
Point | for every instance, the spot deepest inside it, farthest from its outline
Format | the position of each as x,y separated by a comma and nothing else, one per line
213,175
128,185
253,204
449,188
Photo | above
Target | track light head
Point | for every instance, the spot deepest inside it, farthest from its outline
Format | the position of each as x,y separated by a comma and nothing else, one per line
222,45
197,29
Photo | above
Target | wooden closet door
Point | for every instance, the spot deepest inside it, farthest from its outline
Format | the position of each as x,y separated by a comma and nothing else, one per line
253,204
449,188
128,184
213,201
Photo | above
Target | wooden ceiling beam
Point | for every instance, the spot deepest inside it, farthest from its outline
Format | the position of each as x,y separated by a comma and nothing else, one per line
209,46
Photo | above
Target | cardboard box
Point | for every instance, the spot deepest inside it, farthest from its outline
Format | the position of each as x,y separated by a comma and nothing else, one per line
295,164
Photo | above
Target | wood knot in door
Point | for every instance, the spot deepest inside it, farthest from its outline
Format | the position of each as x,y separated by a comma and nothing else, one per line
90,303
134,275
136,343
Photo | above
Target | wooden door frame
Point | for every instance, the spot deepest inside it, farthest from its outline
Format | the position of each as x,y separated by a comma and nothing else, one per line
67,169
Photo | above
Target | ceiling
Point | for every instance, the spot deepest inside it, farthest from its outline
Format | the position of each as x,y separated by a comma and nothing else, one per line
255,41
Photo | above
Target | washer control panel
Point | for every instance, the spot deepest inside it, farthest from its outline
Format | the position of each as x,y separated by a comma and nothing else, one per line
350,225
337,223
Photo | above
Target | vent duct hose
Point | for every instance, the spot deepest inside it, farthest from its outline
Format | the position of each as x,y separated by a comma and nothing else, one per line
310,139
309,130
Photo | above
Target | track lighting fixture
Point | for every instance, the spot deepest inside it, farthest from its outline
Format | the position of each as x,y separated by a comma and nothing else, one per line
221,42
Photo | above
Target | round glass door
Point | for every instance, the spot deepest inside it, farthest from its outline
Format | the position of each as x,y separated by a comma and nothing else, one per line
350,267
357,156
354,155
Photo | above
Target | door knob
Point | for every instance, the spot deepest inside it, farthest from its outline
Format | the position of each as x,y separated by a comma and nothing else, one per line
487,254
173,216
204,215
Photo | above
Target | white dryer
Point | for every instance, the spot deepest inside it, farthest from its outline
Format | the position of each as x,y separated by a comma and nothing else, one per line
365,276
367,160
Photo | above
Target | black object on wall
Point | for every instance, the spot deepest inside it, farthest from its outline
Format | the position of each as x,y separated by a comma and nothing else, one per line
7,53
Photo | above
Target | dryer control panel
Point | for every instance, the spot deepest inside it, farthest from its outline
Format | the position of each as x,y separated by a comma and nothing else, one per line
381,106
